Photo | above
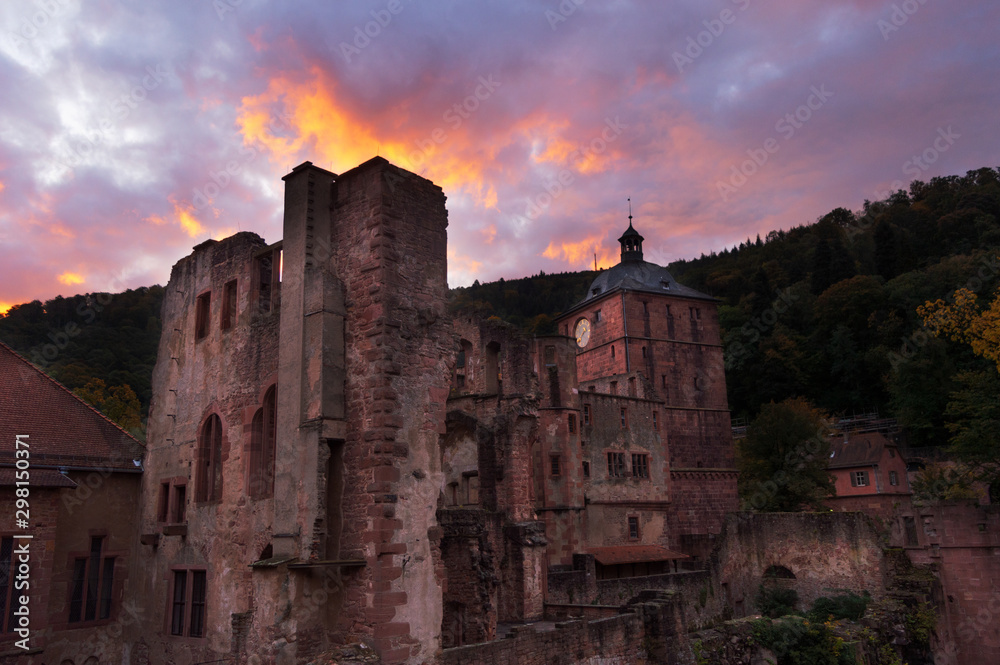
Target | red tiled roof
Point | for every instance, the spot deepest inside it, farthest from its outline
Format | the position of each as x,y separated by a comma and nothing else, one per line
37,478
63,430
858,450
609,556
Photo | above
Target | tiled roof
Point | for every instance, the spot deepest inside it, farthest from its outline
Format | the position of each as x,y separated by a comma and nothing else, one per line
37,478
857,450
63,430
609,556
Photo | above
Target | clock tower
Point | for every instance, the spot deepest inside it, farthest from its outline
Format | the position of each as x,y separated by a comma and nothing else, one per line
641,335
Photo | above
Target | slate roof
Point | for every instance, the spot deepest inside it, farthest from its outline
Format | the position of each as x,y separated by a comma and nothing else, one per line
859,450
640,276
37,478
609,556
63,430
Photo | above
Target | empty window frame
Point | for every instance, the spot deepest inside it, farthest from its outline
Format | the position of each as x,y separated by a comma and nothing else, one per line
586,414
228,317
262,448
640,465
202,311
616,465
208,461
633,527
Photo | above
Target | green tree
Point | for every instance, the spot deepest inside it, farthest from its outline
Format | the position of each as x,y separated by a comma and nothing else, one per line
118,403
783,459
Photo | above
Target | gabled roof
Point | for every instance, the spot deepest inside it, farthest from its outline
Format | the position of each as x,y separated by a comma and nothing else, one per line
63,430
858,450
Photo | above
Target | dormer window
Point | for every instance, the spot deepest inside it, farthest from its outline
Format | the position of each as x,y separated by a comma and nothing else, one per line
595,290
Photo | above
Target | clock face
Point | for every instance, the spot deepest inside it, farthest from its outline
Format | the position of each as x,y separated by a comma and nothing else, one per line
582,332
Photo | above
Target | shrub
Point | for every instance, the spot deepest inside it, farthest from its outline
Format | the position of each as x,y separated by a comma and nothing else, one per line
850,606
776,601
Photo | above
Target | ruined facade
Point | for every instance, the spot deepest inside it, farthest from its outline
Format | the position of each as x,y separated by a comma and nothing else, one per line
332,459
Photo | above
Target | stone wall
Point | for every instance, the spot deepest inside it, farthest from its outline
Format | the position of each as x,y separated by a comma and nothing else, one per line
617,640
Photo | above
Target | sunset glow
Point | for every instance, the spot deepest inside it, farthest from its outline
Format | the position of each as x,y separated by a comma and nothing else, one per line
126,153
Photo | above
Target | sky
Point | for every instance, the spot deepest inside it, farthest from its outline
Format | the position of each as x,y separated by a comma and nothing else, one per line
132,130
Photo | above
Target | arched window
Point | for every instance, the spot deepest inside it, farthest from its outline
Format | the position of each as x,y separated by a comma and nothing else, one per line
262,435
208,477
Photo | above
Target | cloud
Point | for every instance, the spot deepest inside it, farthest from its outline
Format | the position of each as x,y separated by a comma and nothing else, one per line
137,132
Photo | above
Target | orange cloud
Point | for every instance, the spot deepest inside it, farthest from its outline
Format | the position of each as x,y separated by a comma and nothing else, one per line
489,234
183,217
581,254
299,118
462,263
70,278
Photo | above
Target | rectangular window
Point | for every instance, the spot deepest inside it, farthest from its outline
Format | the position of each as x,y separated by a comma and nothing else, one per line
586,414
9,597
656,422
614,384
472,485
187,608
163,506
597,316
645,308
910,526
201,314
624,417
586,469
669,314
228,305
616,465
179,607
266,277
571,423
893,479
663,380
640,466
179,506
554,461
859,479
633,528
93,581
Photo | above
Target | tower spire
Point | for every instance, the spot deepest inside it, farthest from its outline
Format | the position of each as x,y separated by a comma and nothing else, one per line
631,241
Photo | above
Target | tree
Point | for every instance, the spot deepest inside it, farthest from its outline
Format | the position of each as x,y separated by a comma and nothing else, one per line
974,410
962,321
783,459
118,403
